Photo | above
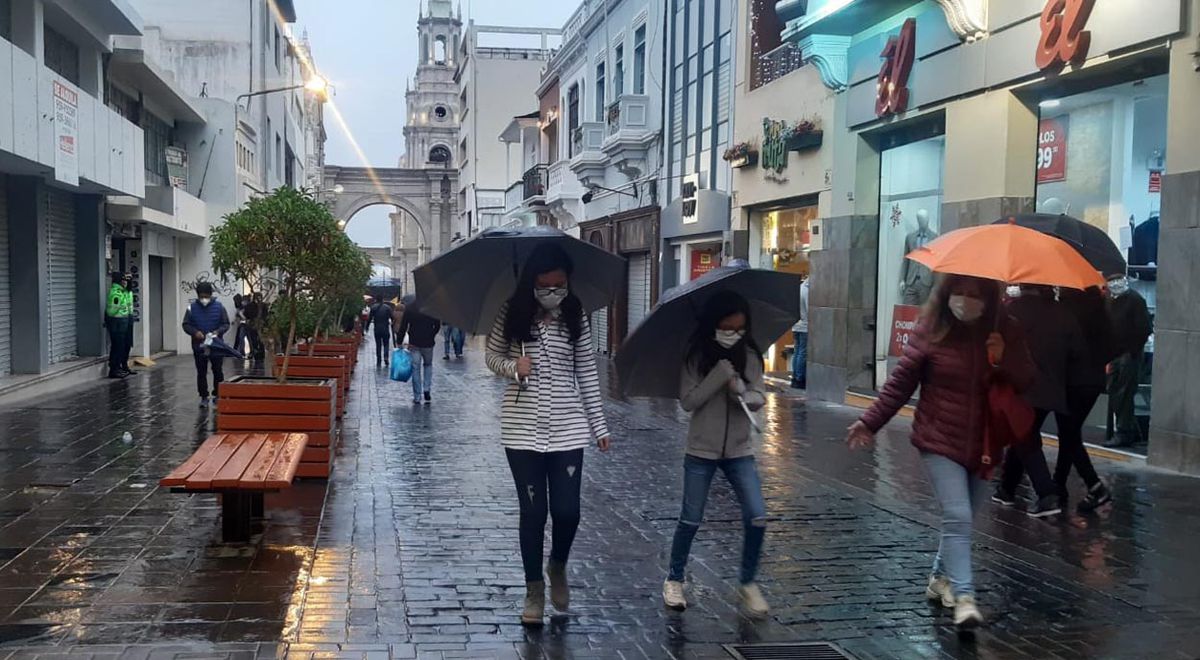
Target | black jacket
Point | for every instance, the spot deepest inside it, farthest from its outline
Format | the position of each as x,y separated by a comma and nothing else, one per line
1090,309
1056,343
1131,323
381,317
421,330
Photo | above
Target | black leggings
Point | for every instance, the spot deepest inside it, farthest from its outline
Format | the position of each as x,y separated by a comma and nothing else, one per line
532,473
1071,452
383,351
1028,457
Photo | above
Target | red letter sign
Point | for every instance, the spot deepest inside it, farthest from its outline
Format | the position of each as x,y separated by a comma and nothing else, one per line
898,56
1064,41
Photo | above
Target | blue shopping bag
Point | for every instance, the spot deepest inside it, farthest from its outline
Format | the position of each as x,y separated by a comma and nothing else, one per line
401,365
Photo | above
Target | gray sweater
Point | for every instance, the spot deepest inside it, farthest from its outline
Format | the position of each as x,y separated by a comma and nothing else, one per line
719,427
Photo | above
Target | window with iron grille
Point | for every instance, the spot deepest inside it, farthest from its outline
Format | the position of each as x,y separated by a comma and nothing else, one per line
123,103
62,55
158,136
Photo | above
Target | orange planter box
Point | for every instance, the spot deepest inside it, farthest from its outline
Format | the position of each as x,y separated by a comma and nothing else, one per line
338,366
332,349
256,404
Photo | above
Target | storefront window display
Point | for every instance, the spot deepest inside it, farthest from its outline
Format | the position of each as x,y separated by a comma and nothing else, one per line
910,204
1101,158
780,240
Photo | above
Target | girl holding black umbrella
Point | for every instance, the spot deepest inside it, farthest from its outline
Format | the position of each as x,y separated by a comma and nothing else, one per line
722,382
552,411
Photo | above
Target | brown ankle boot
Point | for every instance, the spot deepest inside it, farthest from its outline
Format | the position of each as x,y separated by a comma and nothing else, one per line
560,592
534,613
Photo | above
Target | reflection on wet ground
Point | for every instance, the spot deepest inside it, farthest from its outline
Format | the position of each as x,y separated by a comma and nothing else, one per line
411,547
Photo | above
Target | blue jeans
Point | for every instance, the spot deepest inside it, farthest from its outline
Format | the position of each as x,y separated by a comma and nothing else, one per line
453,337
960,494
422,361
800,359
742,474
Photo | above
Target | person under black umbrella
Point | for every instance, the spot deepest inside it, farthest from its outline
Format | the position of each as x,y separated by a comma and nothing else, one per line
541,342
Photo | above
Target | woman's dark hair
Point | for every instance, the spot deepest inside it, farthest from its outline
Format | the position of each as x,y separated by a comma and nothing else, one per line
523,306
937,315
703,345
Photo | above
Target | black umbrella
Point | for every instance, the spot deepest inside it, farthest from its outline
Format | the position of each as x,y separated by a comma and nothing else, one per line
218,348
650,361
1088,240
466,286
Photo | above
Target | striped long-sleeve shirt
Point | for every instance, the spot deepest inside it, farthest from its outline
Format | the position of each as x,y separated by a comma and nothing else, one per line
559,408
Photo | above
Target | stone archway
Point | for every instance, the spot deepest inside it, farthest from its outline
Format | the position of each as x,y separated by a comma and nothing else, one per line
424,194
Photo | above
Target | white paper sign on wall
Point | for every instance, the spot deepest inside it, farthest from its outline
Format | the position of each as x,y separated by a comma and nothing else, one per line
66,134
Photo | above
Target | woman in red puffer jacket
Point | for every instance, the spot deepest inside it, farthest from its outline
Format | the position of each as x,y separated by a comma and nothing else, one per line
951,358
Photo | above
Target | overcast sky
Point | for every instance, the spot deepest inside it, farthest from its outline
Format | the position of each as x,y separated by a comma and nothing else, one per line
367,49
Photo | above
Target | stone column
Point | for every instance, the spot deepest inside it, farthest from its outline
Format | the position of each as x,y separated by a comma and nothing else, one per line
991,155
28,273
91,278
1175,416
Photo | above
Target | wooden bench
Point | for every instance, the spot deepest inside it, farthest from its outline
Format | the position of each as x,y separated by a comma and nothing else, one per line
241,467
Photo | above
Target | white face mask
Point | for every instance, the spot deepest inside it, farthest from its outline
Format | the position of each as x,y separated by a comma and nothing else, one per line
727,339
1118,287
966,308
551,297
204,301
1013,291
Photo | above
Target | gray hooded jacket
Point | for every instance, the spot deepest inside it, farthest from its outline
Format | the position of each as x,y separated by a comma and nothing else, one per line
719,427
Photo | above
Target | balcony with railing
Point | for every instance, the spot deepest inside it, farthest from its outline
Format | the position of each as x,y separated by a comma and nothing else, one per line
629,134
775,64
529,192
588,159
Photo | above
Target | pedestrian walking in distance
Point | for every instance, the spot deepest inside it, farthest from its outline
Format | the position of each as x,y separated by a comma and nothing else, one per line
381,318
722,379
421,332
397,318
1056,345
118,320
959,347
800,346
1085,382
206,317
552,410
455,338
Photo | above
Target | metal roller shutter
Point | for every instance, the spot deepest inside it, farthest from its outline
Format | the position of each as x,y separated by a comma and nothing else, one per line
600,330
639,290
5,294
61,265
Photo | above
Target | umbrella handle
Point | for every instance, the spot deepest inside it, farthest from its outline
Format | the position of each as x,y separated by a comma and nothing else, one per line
749,415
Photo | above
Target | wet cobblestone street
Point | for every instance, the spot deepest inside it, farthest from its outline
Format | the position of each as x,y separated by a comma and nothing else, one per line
410,549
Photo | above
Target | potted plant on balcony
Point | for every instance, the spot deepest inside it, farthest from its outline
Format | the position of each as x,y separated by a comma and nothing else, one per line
277,245
742,154
805,134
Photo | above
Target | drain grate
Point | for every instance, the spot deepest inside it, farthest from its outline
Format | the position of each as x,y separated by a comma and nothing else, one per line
794,651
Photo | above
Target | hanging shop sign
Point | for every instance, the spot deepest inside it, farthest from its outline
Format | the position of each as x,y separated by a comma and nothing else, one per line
1052,150
774,146
1156,182
1064,40
898,57
177,167
66,134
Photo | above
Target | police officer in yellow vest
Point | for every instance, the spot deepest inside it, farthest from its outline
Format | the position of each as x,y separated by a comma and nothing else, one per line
118,319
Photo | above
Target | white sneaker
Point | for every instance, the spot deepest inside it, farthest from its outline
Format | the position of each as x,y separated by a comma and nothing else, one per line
966,614
939,591
754,605
673,595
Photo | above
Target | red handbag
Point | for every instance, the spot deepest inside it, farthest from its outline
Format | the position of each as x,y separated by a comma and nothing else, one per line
1010,421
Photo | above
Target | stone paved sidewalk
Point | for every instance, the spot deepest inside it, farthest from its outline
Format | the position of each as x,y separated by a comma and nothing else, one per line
410,550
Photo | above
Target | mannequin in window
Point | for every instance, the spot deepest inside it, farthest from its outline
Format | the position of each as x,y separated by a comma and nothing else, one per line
916,281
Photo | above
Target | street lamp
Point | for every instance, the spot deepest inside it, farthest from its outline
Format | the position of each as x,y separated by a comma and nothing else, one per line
317,85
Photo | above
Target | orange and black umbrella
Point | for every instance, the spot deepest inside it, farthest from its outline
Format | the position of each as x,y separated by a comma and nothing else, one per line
1011,254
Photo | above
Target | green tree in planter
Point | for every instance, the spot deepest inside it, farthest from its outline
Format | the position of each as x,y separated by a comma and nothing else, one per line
342,273
277,241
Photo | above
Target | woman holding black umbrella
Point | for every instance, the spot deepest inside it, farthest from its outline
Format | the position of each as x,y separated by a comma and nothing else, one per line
552,411
722,382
